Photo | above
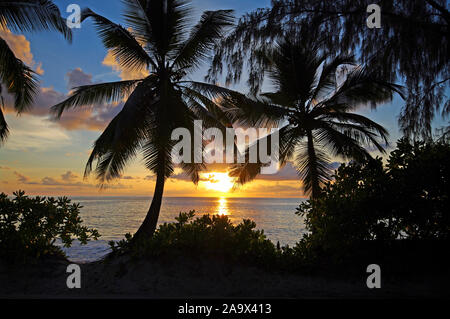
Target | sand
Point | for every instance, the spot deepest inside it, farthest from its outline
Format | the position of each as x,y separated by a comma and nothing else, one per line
188,278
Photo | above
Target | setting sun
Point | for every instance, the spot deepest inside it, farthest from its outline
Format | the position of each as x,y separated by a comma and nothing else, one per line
220,182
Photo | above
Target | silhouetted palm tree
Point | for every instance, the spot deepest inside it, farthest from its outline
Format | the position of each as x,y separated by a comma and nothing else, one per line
157,40
313,110
18,79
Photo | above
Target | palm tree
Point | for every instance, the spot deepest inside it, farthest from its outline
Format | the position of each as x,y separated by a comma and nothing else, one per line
18,79
157,40
313,110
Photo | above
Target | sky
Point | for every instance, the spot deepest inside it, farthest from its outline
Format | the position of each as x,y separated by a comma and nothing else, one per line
44,157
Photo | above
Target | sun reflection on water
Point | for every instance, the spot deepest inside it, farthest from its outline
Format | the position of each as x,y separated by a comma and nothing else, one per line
222,207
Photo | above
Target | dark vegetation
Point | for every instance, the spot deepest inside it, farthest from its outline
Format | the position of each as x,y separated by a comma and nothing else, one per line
410,48
395,214
317,117
29,227
157,38
213,237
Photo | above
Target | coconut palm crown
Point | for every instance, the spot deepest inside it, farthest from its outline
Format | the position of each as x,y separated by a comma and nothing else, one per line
313,109
156,39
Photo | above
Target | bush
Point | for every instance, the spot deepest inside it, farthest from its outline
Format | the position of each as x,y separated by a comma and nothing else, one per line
207,236
407,199
29,226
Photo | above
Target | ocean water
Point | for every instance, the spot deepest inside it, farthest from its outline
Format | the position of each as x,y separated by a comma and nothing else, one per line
113,217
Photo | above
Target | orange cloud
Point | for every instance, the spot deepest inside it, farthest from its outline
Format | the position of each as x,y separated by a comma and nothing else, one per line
125,74
69,176
21,48
94,118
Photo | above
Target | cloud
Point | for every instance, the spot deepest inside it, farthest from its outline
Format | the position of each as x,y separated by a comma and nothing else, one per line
94,118
68,180
31,133
69,176
287,173
123,73
22,178
49,181
21,48
77,77
128,177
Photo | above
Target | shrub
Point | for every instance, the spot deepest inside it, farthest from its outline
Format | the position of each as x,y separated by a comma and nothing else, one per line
29,226
207,236
407,199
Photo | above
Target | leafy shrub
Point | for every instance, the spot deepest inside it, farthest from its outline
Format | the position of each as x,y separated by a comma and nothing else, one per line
29,226
407,199
207,236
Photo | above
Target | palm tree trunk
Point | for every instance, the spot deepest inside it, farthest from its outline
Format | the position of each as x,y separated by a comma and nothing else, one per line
148,227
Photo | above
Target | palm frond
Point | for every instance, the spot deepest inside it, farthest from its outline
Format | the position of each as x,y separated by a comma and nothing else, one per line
294,69
327,81
157,156
346,144
279,98
206,109
192,168
312,165
203,38
362,87
124,135
253,111
246,172
32,15
18,78
136,17
362,121
212,91
125,47
362,135
168,23
4,131
89,95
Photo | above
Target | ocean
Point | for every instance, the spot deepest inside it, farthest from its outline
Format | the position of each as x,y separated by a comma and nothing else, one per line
113,217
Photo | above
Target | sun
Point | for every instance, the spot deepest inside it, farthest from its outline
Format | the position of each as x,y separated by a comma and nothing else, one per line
219,182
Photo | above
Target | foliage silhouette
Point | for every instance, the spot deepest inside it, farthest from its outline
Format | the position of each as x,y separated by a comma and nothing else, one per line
314,110
19,79
208,237
158,42
29,227
411,46
406,199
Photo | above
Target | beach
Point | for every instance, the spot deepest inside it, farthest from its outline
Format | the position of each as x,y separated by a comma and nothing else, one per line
190,278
